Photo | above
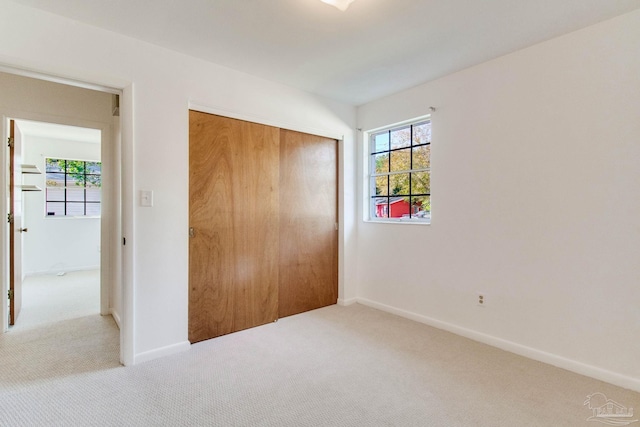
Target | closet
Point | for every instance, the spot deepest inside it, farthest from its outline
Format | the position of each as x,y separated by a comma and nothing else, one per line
262,224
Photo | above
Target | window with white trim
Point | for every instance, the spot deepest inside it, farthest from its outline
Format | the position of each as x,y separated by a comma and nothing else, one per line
400,173
73,188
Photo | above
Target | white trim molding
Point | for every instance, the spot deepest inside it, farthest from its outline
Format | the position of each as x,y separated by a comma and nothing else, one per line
512,347
161,352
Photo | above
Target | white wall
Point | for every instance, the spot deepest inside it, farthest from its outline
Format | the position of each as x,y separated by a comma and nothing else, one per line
55,245
159,87
535,203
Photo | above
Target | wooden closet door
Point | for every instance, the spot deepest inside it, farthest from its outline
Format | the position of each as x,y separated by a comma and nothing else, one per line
308,218
233,219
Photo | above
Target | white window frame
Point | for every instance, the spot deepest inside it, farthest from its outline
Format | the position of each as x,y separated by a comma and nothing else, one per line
370,186
84,198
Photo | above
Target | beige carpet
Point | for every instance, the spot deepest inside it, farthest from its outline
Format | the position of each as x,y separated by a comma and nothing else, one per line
53,298
337,366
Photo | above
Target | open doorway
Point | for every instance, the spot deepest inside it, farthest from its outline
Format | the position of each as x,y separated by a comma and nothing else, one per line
59,247
81,252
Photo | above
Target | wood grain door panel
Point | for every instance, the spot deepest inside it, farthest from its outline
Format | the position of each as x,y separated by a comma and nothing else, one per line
233,254
15,233
308,217
263,210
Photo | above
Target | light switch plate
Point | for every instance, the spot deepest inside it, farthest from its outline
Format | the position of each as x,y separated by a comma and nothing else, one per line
146,198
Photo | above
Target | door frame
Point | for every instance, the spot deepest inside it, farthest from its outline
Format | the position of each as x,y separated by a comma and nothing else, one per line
121,212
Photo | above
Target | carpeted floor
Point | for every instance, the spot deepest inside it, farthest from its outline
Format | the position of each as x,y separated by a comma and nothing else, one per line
337,366
52,298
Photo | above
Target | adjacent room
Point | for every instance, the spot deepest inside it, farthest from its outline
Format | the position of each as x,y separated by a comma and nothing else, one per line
323,212
61,223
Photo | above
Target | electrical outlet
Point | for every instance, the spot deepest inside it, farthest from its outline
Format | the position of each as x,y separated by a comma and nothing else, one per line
481,299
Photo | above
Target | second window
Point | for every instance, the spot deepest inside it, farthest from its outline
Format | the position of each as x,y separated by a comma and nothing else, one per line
73,188
400,173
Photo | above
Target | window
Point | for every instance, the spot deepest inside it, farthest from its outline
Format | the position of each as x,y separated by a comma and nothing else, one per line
73,188
400,173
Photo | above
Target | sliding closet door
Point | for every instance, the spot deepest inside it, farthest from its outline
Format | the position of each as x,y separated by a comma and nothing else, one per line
308,218
234,223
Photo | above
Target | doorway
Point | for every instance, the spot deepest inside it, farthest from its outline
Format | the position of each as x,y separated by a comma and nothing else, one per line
56,259
43,99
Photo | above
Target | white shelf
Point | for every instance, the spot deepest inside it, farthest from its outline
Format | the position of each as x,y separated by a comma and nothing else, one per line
31,169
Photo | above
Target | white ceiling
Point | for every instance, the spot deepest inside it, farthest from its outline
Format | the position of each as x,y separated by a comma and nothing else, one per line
62,132
375,48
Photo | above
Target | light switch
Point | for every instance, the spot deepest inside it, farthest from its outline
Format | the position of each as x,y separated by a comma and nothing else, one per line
146,198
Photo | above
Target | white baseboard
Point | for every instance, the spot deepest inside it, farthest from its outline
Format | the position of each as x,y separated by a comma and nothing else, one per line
347,301
510,346
161,352
116,317
65,270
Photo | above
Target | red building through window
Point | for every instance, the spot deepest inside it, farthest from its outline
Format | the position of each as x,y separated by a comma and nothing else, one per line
397,207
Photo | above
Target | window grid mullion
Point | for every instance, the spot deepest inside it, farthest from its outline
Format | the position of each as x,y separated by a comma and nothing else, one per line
399,149
84,190
402,195
410,173
65,188
401,172
389,178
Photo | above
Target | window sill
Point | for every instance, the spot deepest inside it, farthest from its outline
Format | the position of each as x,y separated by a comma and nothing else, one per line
56,218
396,221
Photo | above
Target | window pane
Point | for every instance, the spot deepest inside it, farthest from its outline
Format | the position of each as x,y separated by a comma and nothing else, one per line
381,142
422,133
55,194
93,181
75,209
382,207
401,138
93,194
399,207
76,181
422,157
55,209
420,183
399,184
75,166
381,162
75,173
54,165
55,179
401,160
381,186
421,208
94,168
75,194
93,209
